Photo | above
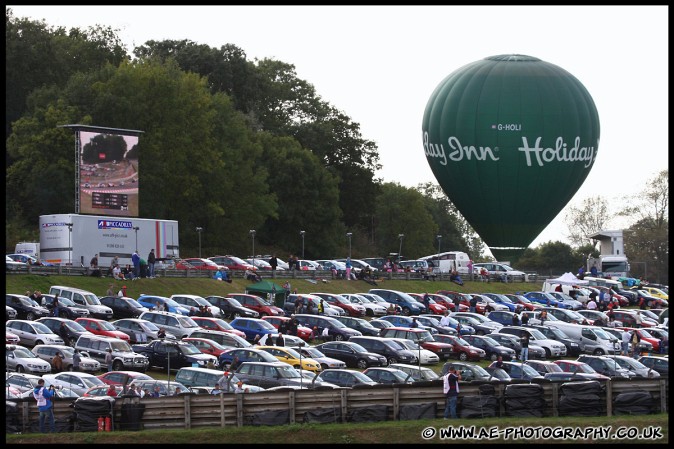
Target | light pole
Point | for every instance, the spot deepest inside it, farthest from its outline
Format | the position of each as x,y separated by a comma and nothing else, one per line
349,234
300,344
252,236
302,235
70,246
400,250
439,237
199,229
136,228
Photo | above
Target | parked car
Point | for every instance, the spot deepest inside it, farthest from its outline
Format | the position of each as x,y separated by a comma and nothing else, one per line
251,354
194,377
83,298
10,313
165,387
500,271
13,265
206,346
314,353
73,329
123,307
469,371
514,343
233,263
261,264
448,302
580,369
517,370
606,366
262,307
353,354
504,300
176,324
253,327
433,307
26,308
463,329
273,374
336,329
140,330
433,322
310,305
594,315
197,263
418,373
23,360
351,309
522,301
231,308
656,363
388,375
67,308
282,322
544,367
491,347
216,324
464,351
382,302
162,303
567,315
552,348
464,300
224,338
338,268
408,304
194,302
293,358
124,358
48,352
504,317
427,357
345,378
573,348
392,350
76,381
359,324
122,377
11,338
422,337
173,355
103,390
480,327
309,265
544,299
568,301
630,318
372,308
102,327
408,321
33,333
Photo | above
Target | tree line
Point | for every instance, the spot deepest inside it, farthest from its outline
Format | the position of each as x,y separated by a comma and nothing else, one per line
228,145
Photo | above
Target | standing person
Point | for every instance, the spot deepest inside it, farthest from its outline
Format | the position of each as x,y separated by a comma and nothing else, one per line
239,388
93,263
427,303
122,291
591,304
444,321
525,319
279,340
470,269
292,327
473,304
44,396
55,305
286,287
112,392
223,382
135,259
516,319
635,343
457,303
298,305
348,268
581,272
524,354
64,334
450,386
593,270
274,263
57,363
321,307
543,316
111,291
77,358
108,359
113,263
150,264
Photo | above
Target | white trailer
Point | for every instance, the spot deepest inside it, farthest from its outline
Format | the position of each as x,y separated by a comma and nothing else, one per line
73,239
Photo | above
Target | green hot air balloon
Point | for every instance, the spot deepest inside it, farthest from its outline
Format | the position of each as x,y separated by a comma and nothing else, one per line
510,139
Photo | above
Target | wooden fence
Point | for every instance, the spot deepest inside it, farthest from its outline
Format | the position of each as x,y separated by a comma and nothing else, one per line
189,411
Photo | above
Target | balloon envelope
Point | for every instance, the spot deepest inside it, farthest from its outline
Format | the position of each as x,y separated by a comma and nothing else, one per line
510,139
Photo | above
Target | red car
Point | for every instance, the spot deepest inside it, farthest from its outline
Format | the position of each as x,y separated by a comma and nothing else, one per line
643,335
464,300
351,309
196,263
233,263
207,346
464,350
101,327
122,377
217,324
302,331
447,302
522,301
257,304
436,308
580,369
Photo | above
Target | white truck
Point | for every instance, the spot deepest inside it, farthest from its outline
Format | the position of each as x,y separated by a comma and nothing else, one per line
448,261
73,239
609,266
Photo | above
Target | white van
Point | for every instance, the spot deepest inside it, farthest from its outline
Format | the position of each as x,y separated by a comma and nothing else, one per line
84,299
593,339
448,261
28,248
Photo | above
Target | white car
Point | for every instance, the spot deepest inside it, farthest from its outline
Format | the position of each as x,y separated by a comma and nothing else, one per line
47,353
78,382
22,360
499,270
371,308
33,333
426,357
12,265
309,265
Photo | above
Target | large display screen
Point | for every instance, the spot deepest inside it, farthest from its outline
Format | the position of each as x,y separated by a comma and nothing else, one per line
108,174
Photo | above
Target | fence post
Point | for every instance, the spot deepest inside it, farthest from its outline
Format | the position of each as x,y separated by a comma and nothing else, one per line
609,398
344,405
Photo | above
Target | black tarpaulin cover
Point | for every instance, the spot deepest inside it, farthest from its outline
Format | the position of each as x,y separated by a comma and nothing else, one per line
270,418
581,388
580,405
634,403
417,411
524,400
323,415
89,409
482,406
131,417
373,413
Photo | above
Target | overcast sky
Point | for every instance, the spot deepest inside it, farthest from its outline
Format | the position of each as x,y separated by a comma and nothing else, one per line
380,64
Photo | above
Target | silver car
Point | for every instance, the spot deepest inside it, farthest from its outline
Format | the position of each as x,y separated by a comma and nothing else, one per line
47,353
22,360
76,381
32,333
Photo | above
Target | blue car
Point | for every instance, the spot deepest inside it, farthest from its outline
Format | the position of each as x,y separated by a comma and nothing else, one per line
407,303
226,358
453,323
503,317
169,305
406,321
502,299
253,326
545,299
